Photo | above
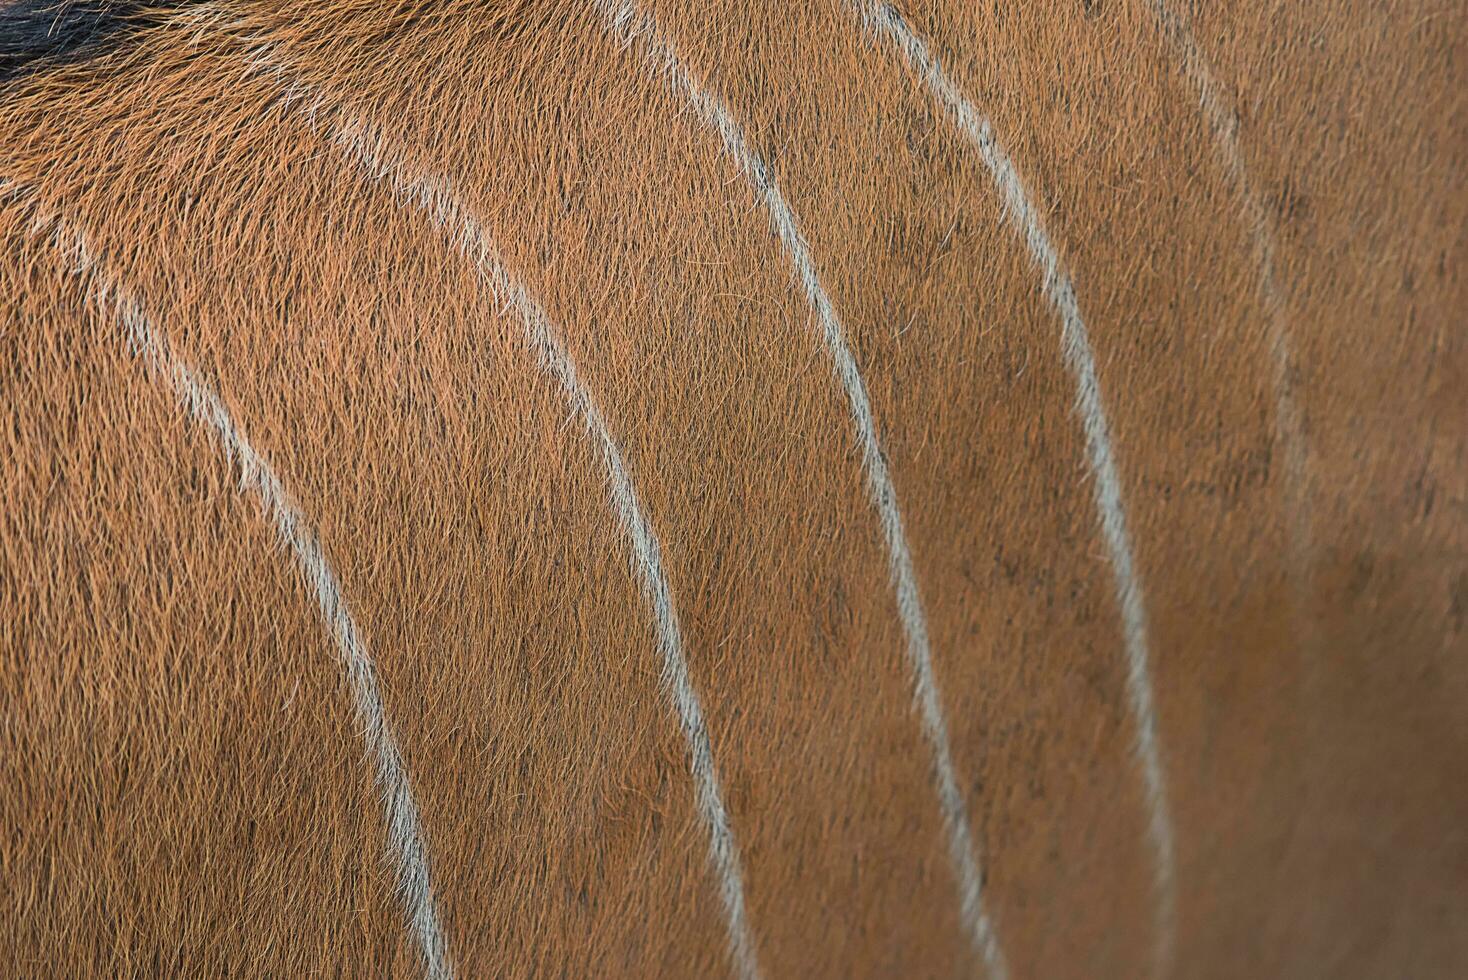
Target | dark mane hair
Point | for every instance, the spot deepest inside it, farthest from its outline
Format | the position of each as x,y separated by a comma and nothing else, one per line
35,34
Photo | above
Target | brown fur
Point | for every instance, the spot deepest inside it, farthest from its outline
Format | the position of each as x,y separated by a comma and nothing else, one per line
185,791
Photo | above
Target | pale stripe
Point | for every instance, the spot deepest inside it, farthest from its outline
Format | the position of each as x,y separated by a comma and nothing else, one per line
630,25
437,196
1289,424
884,21
405,842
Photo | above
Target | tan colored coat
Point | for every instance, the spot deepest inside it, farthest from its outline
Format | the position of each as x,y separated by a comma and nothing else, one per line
1275,316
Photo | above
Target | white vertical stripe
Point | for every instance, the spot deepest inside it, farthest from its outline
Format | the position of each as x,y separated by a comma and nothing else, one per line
404,834
630,26
437,197
1288,422
884,20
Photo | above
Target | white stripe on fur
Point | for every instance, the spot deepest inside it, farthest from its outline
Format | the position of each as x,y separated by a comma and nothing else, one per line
884,21
630,25
438,198
404,833
1288,423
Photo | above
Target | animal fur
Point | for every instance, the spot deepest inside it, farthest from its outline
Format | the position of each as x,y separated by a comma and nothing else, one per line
368,241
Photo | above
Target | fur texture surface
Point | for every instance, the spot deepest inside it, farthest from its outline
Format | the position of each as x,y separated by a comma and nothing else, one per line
443,534
37,35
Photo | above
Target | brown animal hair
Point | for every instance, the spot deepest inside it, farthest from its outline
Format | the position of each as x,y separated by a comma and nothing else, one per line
647,488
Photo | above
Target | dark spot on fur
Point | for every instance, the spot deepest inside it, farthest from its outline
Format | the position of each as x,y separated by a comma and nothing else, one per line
39,34
1458,602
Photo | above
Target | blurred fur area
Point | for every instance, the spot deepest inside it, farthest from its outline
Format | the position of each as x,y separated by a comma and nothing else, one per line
185,786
